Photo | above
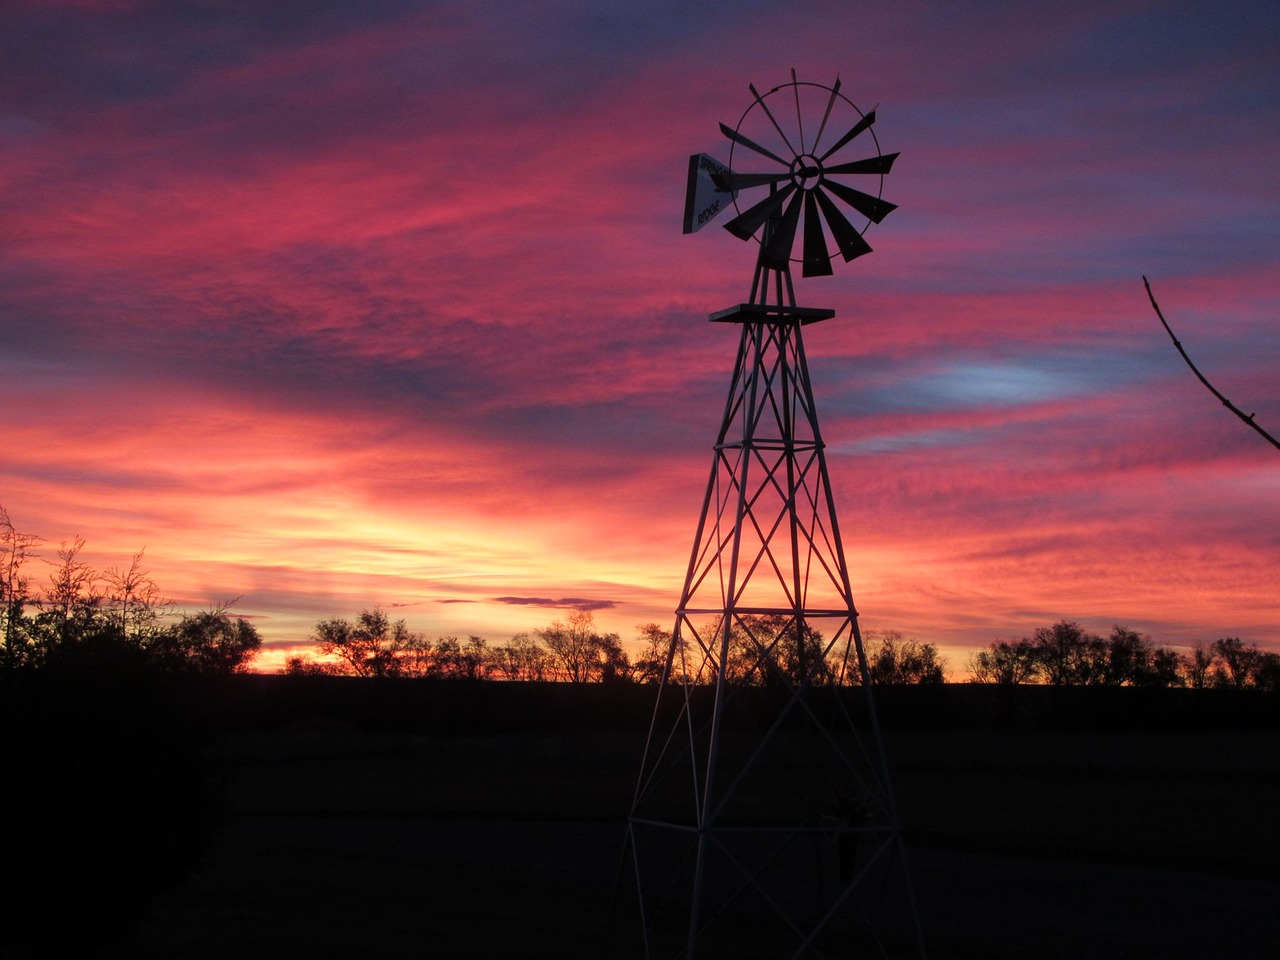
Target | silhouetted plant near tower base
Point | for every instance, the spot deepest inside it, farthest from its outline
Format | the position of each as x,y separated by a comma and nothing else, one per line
766,650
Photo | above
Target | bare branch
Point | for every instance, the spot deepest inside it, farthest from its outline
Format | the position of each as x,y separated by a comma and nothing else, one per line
1247,418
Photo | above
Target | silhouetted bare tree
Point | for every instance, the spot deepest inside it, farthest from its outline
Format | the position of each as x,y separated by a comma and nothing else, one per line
615,665
1069,655
1198,668
1236,662
579,653
73,599
471,659
1006,662
1166,669
373,646
897,659
1231,663
16,548
522,658
208,642
133,599
655,647
1128,657
302,666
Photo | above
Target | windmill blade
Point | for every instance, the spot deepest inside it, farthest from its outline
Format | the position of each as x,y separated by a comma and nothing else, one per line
831,102
847,238
736,137
769,113
795,88
749,221
741,181
856,129
880,164
778,249
873,208
817,262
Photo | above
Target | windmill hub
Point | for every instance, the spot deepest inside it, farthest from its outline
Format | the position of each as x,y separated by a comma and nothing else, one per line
806,171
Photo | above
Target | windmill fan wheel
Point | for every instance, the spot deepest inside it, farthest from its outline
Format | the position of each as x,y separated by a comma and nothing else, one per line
794,160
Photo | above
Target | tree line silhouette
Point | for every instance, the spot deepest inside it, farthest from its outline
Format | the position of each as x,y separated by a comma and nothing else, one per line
574,650
119,613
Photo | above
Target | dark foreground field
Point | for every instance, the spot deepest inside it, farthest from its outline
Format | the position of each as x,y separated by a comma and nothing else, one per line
355,824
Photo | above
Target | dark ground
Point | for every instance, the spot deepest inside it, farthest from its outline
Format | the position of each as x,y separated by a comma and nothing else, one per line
1033,832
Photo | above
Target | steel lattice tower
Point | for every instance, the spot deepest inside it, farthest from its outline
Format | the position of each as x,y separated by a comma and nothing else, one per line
763,822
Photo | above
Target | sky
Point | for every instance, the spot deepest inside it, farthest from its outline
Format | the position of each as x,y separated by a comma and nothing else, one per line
328,304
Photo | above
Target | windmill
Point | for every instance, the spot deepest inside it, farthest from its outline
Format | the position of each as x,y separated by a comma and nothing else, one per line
763,821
